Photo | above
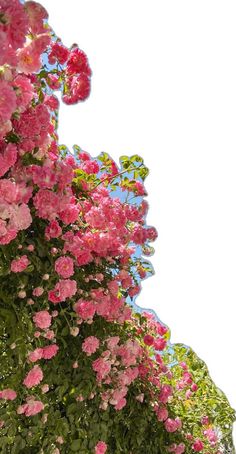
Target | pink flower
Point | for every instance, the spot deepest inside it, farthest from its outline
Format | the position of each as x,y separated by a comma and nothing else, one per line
112,342
162,413
172,425
42,319
49,334
24,91
211,436
160,344
53,230
65,288
59,53
3,229
139,188
90,345
29,60
151,233
31,408
100,447
102,367
64,266
91,167
14,22
34,377
205,420
120,404
139,235
20,217
44,176
37,14
53,81
198,446
47,203
84,257
8,191
148,340
85,309
7,101
35,355
134,291
69,214
5,128
20,264
38,291
7,158
161,329
165,392
52,102
8,394
50,351
78,89
177,449
78,63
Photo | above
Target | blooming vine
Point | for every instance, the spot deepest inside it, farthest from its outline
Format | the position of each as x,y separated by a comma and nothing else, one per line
82,369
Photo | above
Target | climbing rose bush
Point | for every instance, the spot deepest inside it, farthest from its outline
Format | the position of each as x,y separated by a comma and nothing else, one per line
83,369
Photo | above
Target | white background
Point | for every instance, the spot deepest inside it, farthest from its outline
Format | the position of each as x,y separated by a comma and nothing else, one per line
164,87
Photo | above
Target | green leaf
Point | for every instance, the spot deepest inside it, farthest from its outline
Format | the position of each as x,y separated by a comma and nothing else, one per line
75,445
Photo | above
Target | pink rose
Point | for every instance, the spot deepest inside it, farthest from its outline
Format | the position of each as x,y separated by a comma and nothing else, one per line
198,446
7,158
160,344
165,393
47,203
50,351
172,425
20,264
53,230
7,101
38,291
65,288
64,266
177,449
34,377
42,319
31,408
90,345
85,309
100,447
121,403
148,340
59,53
8,394
35,355
52,102
69,214
36,14
162,414
102,367
24,91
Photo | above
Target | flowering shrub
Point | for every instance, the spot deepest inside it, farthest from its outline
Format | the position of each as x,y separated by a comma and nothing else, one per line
82,370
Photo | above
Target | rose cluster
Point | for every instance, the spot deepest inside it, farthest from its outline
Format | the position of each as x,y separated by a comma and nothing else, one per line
72,242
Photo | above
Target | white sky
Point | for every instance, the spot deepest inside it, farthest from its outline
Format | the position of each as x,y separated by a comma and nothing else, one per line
164,87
